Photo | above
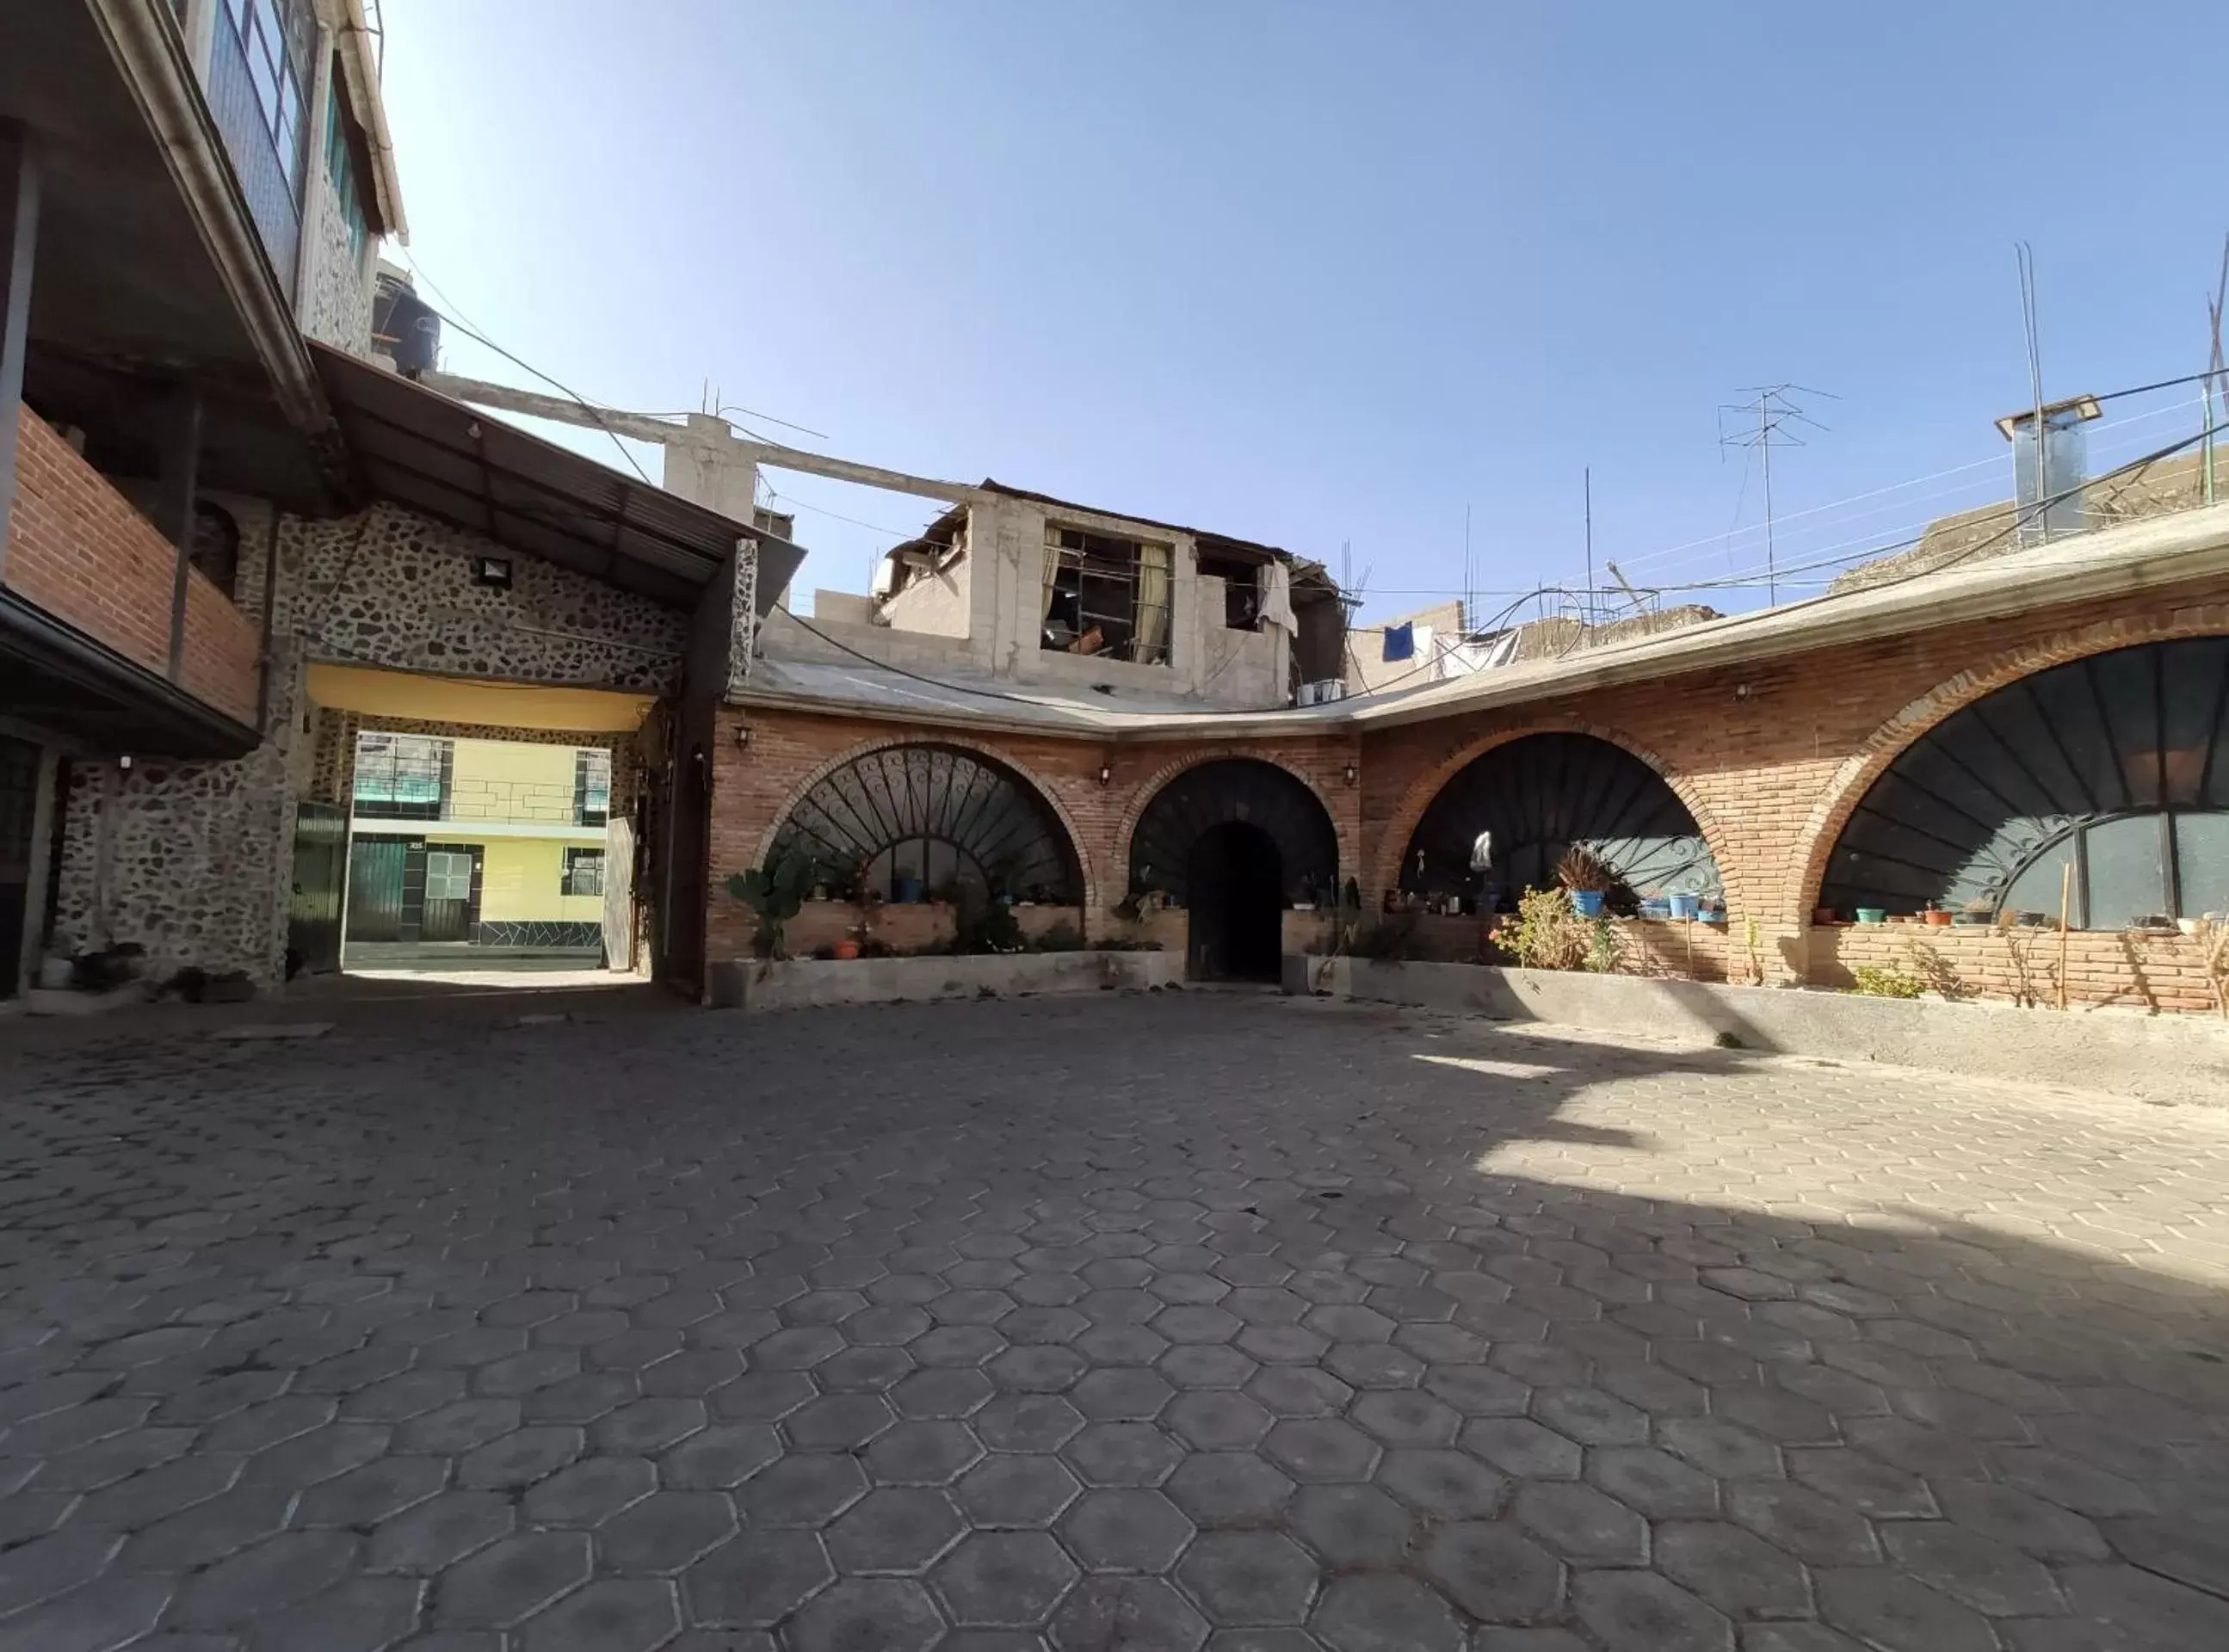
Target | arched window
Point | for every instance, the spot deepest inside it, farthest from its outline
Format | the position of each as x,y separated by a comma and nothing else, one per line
2116,766
922,821
1237,792
1536,797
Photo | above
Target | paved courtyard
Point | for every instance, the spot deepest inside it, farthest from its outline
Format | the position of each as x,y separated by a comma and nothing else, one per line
1128,1321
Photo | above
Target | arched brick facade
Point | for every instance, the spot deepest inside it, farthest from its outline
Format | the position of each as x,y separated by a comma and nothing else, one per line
1401,824
1815,845
1345,823
985,749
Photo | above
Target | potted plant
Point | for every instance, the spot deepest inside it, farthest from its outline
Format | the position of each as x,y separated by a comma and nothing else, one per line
1936,916
1873,917
774,891
1585,879
1823,916
1978,914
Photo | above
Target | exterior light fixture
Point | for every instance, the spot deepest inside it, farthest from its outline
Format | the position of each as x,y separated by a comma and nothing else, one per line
494,572
742,733
1350,774
1106,774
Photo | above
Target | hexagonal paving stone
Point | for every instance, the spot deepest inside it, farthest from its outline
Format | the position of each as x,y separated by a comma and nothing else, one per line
665,1532
885,1613
1004,1578
589,1493
1125,1530
801,1489
1249,1578
512,1577
1123,1454
1374,1365
519,1459
1216,1420
1894,1613
720,1458
1109,1611
1013,1489
894,1529
1121,1394
1494,1572
1734,1569
1206,1364
1320,1450
1640,1611
1520,1446
451,1431
1406,1418
1655,1483
274,1573
1582,1524
2152,1611
647,1427
1027,1422
1590,1416
922,1454
1990,1576
1300,1391
1037,1368
1218,1488
438,1533
1382,1614
758,1578
947,1393
363,1496
1352,1526
1443,1484
612,1615
1814,1528
1863,1482
1717,1448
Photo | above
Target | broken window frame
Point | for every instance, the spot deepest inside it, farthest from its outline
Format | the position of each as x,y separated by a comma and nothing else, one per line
1241,591
1099,579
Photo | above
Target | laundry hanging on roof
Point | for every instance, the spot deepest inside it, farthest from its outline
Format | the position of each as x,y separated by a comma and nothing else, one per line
1401,642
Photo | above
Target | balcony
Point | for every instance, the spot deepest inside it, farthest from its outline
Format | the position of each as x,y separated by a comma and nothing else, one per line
422,787
84,567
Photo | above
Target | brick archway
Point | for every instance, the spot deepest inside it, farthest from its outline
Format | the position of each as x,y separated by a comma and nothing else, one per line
1814,844
1143,795
1417,797
1021,772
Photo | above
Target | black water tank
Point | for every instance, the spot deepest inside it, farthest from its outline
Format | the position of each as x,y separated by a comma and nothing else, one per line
405,324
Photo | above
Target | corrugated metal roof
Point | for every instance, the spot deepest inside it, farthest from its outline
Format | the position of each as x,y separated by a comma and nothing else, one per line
467,468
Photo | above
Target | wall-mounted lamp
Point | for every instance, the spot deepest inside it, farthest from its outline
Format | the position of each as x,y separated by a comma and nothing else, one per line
1744,691
1350,774
494,572
742,733
1106,774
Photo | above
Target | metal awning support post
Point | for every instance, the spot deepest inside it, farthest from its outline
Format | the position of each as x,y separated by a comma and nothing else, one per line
19,227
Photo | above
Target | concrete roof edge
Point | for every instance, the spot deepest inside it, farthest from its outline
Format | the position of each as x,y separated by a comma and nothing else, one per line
1140,726
2155,553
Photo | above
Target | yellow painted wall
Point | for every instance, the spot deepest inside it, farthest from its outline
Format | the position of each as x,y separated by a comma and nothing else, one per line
514,760
521,877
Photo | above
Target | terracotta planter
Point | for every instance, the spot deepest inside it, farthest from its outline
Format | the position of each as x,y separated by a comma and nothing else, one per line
1823,916
1938,919
846,950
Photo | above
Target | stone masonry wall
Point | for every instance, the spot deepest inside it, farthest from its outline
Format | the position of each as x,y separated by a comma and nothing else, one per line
337,295
390,587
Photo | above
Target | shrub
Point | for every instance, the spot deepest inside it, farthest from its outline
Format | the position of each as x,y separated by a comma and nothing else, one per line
1391,940
1547,934
1886,981
1063,936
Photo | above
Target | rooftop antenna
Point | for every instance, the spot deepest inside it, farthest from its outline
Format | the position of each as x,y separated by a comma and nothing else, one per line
2217,378
1776,415
1469,601
2024,256
1589,484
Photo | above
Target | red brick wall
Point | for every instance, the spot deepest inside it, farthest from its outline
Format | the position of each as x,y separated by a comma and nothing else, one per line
754,786
2163,972
78,549
1772,775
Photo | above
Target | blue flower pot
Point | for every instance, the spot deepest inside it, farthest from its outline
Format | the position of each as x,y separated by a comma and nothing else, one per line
1587,903
1684,907
906,892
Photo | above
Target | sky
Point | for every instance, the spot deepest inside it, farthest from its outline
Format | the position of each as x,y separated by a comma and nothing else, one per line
1332,276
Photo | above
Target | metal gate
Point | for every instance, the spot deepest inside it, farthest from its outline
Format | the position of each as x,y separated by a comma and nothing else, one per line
313,923
451,890
375,908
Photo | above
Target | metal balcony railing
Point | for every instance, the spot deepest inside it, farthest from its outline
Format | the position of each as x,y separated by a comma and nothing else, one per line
407,791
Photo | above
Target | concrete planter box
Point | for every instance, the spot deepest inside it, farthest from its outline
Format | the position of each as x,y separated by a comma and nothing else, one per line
800,983
2181,1058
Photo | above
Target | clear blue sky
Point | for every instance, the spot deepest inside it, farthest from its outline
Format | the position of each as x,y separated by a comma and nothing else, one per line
1312,273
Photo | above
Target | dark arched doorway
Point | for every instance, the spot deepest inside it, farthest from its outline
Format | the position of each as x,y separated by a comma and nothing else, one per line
1237,918
1236,843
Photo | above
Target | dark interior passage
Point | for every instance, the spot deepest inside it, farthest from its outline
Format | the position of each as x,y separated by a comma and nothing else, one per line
1235,880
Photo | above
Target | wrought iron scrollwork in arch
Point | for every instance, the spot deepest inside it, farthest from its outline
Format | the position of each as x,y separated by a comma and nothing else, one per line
1236,789
937,818
1537,796
2115,766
